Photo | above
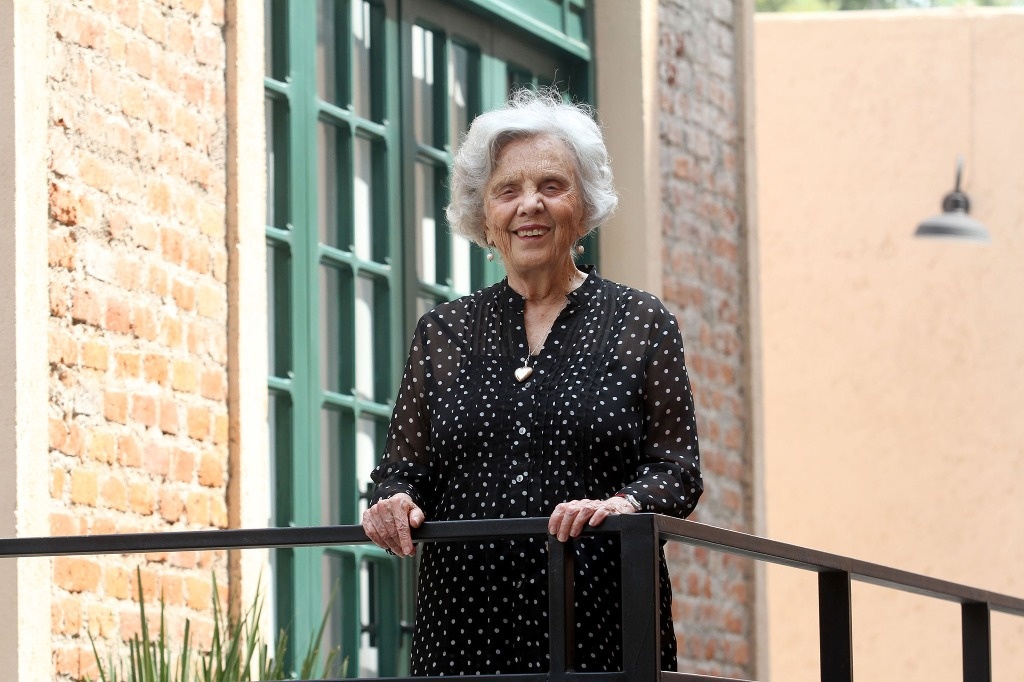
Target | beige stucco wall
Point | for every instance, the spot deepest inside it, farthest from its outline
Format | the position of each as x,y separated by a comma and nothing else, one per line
893,366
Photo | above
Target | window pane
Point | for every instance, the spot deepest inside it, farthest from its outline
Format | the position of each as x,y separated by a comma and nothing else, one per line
366,344
426,224
363,194
278,310
369,577
327,67
275,39
332,185
423,96
279,414
335,316
276,113
461,262
370,434
362,79
458,94
335,447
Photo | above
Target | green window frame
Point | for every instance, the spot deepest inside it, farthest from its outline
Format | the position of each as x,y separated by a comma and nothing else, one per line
365,103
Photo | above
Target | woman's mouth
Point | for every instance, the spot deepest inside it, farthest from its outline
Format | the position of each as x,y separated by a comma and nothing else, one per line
532,232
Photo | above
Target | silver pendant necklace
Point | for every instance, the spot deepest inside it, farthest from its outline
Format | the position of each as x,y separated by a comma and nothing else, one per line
525,372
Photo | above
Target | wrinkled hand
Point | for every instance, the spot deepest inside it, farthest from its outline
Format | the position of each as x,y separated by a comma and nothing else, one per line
569,518
387,523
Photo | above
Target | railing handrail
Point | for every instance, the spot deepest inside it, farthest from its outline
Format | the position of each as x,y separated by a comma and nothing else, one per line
688,532
640,535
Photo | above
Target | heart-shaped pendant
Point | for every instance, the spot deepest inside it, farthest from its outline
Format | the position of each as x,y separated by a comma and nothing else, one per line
523,373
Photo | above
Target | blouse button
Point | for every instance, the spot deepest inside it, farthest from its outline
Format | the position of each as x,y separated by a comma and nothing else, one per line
522,430
518,479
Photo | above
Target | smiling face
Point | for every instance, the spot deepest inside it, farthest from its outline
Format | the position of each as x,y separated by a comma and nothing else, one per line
533,209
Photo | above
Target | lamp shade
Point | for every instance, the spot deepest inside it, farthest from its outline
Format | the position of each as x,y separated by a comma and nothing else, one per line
954,222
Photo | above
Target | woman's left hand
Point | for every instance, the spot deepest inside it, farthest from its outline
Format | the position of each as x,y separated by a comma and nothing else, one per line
569,518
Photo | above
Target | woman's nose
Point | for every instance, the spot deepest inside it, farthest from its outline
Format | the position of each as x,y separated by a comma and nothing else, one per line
531,203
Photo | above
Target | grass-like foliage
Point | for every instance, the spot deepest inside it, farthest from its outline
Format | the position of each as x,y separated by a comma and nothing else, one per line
237,652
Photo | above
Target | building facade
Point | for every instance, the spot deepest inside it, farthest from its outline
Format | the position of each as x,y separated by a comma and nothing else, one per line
225,217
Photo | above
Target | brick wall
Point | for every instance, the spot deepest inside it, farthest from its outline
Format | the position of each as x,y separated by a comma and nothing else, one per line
138,307
705,279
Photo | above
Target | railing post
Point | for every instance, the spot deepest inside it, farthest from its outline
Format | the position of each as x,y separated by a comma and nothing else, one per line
977,641
835,626
561,618
641,603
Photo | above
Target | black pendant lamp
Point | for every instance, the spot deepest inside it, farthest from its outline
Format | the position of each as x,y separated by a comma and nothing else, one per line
954,221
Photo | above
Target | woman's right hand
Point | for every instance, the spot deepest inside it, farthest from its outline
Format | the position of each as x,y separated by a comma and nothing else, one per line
387,523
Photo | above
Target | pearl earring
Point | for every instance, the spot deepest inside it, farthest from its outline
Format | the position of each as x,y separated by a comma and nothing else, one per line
490,255
580,249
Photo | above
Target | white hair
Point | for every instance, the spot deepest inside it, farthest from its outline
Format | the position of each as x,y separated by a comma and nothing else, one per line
526,114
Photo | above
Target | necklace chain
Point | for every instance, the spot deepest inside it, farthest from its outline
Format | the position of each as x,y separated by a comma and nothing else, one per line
524,372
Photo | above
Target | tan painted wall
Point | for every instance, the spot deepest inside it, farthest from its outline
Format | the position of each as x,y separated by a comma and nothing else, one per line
893,366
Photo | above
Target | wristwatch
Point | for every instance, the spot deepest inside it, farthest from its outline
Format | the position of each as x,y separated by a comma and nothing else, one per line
632,500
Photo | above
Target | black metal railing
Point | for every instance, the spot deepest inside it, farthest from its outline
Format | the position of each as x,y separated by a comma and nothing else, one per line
640,541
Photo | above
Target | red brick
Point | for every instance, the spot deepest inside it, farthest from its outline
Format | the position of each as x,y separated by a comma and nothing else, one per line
138,57
62,251
213,384
142,497
144,410
171,505
128,12
156,368
220,429
127,364
63,349
157,459
129,451
184,294
169,418
185,376
102,447
198,423
85,307
76,574
133,99
64,206
211,470
170,329
115,406
197,507
114,493
84,488
184,465
144,322
95,355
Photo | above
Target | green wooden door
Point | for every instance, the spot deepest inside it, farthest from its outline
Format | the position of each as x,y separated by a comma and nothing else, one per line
365,103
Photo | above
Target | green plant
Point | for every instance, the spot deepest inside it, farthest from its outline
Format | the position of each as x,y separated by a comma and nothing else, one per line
234,647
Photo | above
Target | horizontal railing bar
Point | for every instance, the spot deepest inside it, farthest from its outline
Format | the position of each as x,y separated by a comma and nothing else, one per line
254,538
796,556
689,532
693,677
514,677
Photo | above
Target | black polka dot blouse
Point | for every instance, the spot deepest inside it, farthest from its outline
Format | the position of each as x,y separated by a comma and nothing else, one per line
607,410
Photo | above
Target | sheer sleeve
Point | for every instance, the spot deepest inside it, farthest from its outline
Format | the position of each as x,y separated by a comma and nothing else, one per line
407,463
667,479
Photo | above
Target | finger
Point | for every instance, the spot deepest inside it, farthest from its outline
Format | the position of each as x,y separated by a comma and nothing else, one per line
600,515
376,529
555,520
582,516
565,527
404,535
416,517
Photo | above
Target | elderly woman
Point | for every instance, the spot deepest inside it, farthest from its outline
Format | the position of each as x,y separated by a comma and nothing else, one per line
553,393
